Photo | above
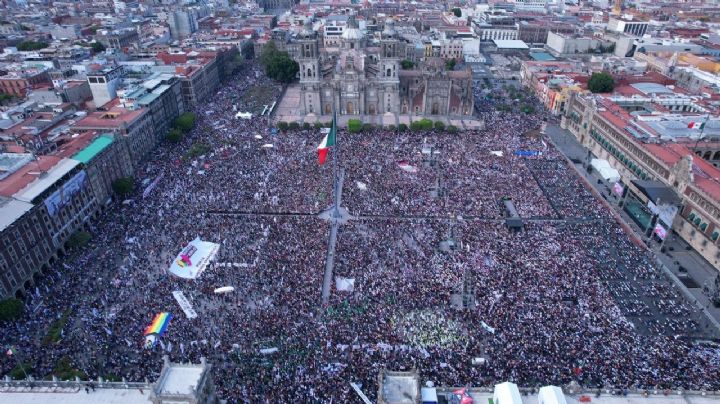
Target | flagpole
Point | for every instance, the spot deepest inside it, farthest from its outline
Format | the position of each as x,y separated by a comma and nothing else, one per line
336,196
702,130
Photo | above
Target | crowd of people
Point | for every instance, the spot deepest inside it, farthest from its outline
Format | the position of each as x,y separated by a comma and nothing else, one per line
540,306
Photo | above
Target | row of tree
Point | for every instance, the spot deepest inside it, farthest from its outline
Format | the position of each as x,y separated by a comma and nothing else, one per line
278,64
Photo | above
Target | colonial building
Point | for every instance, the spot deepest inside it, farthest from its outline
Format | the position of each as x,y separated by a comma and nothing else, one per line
363,76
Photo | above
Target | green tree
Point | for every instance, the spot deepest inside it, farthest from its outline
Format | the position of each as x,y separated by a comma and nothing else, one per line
247,49
367,127
452,129
457,12
402,127
439,125
79,239
450,64
282,68
407,64
123,186
415,126
282,125
294,125
306,125
318,125
97,47
601,83
426,124
174,135
185,122
269,51
11,309
354,126
31,45
391,127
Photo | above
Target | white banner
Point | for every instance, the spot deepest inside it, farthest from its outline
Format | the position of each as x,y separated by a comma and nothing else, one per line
184,304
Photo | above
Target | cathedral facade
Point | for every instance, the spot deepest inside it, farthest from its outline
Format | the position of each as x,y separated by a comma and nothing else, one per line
364,77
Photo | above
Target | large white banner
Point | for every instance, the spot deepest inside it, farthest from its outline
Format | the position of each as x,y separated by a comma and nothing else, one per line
184,304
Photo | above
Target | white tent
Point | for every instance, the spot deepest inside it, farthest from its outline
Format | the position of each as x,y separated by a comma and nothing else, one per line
551,395
605,170
506,393
224,289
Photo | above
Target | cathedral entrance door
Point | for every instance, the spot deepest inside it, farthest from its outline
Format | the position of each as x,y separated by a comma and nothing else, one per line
349,108
371,109
328,109
435,108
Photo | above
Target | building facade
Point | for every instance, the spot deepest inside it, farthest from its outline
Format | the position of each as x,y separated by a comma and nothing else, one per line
356,79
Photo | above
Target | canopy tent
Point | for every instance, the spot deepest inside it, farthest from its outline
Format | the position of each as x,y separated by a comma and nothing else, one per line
506,393
224,289
605,170
429,395
193,259
551,395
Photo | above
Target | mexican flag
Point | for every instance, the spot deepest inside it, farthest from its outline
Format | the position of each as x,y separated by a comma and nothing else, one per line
328,141
696,125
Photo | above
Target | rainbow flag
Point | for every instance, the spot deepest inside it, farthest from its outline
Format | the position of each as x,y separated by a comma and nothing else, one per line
159,324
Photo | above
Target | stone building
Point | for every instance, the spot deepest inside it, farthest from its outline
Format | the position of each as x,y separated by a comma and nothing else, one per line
363,76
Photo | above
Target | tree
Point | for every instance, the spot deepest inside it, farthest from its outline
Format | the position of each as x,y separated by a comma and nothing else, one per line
247,49
367,127
11,309
439,125
452,129
318,125
450,64
294,125
97,47
79,239
268,52
174,135
123,186
354,125
457,12
407,64
282,68
402,127
306,125
185,122
601,83
416,126
282,125
31,45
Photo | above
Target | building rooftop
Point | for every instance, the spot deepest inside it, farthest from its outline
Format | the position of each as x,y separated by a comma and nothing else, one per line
180,379
93,149
11,210
43,181
75,396
510,44
11,162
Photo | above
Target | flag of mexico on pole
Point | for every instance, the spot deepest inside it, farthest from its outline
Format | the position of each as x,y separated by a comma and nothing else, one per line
327,142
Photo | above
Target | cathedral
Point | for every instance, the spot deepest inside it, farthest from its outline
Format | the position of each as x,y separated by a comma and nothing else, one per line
362,76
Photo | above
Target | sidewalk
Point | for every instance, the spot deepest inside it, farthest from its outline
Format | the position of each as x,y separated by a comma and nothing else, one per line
676,254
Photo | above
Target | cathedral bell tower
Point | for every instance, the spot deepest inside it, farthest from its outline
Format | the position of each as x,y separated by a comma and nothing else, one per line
310,74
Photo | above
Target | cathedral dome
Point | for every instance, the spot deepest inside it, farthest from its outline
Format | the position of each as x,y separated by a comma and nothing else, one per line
351,31
389,31
307,31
